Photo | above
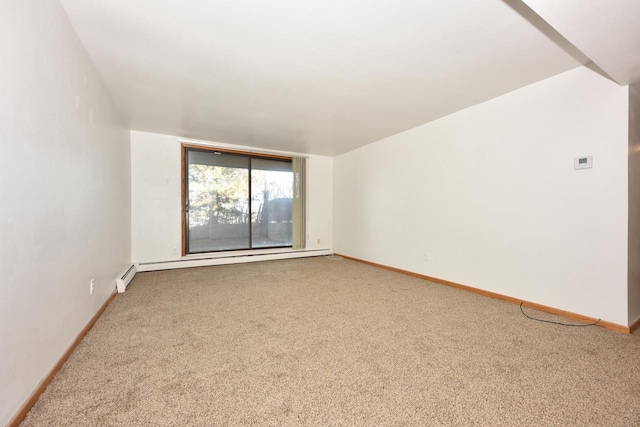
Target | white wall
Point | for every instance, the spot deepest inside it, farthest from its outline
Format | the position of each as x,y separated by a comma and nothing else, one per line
156,198
634,202
65,191
491,194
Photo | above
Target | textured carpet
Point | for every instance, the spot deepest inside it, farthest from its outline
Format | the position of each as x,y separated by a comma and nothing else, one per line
324,342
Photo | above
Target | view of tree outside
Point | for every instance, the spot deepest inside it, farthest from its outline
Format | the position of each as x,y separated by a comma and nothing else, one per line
218,195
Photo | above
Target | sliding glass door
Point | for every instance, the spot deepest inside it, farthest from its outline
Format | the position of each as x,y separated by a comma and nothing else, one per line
236,201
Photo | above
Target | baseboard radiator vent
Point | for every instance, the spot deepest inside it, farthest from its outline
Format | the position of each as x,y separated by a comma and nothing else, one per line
188,262
126,278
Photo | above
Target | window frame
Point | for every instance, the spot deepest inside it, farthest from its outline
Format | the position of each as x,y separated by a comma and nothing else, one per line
184,167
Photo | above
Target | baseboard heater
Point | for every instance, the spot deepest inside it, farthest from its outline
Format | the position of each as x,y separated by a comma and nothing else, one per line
187,262
126,278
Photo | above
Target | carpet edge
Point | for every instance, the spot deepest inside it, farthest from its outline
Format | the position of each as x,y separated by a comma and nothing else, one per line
551,310
19,417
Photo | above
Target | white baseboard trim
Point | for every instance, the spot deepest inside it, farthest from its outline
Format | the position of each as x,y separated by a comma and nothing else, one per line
229,258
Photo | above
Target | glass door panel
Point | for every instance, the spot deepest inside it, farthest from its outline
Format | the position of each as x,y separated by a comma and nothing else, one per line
218,202
271,203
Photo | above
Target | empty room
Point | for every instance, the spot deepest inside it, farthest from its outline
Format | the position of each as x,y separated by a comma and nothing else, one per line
319,212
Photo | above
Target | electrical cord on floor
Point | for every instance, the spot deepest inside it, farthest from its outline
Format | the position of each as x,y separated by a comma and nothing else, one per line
555,323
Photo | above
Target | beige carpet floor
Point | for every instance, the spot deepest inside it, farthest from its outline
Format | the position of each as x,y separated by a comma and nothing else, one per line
323,342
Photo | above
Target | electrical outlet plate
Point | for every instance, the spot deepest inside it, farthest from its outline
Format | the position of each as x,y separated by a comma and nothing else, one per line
92,286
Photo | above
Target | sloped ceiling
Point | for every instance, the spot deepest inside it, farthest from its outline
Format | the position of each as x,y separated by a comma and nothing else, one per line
606,31
315,76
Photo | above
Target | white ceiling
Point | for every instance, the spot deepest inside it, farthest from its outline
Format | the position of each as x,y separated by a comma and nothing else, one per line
313,76
606,31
